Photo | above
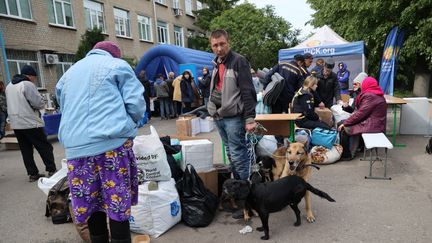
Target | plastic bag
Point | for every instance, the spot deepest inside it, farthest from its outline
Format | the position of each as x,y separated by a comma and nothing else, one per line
45,184
266,146
324,137
198,204
157,210
339,114
151,157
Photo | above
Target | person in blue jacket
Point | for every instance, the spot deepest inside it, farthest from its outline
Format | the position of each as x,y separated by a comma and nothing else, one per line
343,78
188,96
101,101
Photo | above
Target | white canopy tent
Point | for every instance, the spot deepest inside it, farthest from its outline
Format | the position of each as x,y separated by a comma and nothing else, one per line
326,43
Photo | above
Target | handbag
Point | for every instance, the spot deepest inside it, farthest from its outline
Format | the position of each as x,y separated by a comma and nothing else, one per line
324,137
216,97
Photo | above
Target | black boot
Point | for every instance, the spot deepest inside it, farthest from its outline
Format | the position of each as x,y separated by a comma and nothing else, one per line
99,238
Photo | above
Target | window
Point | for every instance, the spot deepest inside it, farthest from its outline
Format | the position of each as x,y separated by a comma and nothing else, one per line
65,62
161,2
60,12
188,7
17,59
121,18
144,27
176,4
178,36
94,15
16,8
162,32
199,5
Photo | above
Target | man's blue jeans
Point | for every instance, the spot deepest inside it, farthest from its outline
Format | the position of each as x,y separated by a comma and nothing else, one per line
232,131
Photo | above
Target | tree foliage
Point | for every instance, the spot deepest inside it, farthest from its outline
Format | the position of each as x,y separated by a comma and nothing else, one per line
371,20
88,40
214,9
256,33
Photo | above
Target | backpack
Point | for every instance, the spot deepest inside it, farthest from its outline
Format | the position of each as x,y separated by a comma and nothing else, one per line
57,202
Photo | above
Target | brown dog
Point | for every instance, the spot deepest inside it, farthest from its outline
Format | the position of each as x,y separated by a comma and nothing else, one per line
294,160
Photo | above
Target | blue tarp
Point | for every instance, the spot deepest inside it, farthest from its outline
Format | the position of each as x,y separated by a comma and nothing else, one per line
353,48
166,58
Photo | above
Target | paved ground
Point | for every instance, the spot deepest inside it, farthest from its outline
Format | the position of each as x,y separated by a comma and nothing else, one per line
399,210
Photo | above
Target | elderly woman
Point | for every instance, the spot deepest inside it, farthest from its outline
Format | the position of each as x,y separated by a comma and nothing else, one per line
101,101
355,92
304,103
369,117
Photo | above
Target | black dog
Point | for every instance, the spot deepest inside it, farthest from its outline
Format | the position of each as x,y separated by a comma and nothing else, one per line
270,197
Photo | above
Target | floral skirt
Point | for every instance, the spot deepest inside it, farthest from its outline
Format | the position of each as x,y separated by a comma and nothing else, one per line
106,182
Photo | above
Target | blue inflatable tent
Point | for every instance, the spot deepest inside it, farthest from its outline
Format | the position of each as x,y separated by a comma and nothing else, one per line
325,43
166,58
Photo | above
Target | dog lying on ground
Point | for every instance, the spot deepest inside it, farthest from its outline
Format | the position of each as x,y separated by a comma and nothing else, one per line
294,160
270,197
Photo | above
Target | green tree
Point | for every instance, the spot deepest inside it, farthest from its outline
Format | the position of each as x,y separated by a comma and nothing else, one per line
88,40
213,9
371,20
256,33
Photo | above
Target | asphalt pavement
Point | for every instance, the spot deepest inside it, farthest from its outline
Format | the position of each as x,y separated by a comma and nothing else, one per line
397,210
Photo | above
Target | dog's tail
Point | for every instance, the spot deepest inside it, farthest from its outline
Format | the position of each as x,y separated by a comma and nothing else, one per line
318,192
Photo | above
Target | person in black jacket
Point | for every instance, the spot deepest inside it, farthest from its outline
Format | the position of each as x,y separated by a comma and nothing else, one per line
328,86
293,79
304,103
146,84
187,93
204,84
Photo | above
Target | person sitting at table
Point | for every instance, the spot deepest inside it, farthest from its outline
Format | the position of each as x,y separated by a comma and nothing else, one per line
370,116
304,103
355,92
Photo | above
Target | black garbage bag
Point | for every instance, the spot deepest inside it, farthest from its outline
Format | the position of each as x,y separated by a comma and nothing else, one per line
198,204
176,171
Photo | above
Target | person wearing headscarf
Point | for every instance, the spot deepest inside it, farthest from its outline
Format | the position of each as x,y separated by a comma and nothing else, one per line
370,116
101,101
355,92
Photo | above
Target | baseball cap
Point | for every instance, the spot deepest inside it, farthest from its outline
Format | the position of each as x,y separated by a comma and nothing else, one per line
28,70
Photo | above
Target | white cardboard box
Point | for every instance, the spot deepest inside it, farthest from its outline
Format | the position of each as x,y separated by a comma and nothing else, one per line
198,153
207,124
195,126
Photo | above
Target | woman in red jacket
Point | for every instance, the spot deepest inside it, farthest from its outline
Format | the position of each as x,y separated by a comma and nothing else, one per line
369,117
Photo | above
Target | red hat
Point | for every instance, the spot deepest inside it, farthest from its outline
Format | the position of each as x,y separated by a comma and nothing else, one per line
110,47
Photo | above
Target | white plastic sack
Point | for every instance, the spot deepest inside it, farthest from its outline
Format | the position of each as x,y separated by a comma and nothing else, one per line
339,114
323,155
151,157
156,211
266,146
45,184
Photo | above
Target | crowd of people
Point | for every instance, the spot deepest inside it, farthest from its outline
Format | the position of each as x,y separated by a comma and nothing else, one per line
103,112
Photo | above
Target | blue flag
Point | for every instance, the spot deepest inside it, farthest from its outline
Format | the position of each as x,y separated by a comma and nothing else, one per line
389,59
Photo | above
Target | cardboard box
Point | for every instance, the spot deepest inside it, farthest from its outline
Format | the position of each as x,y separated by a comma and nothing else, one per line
210,179
198,153
183,126
207,124
195,126
325,115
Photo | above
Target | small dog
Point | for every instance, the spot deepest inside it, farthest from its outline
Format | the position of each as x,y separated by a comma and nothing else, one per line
270,197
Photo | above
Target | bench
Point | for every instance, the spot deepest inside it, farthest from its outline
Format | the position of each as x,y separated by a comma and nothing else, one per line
373,141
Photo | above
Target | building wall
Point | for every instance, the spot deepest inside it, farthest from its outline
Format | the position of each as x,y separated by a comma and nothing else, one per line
41,36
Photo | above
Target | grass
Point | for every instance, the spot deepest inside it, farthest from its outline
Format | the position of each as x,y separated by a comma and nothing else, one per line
403,93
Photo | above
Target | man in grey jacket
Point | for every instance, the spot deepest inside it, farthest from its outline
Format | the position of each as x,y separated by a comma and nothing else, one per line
24,103
232,102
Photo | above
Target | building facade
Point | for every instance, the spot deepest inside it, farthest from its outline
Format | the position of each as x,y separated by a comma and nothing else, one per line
46,33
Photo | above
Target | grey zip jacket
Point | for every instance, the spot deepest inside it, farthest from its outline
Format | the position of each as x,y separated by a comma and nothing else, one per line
24,103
